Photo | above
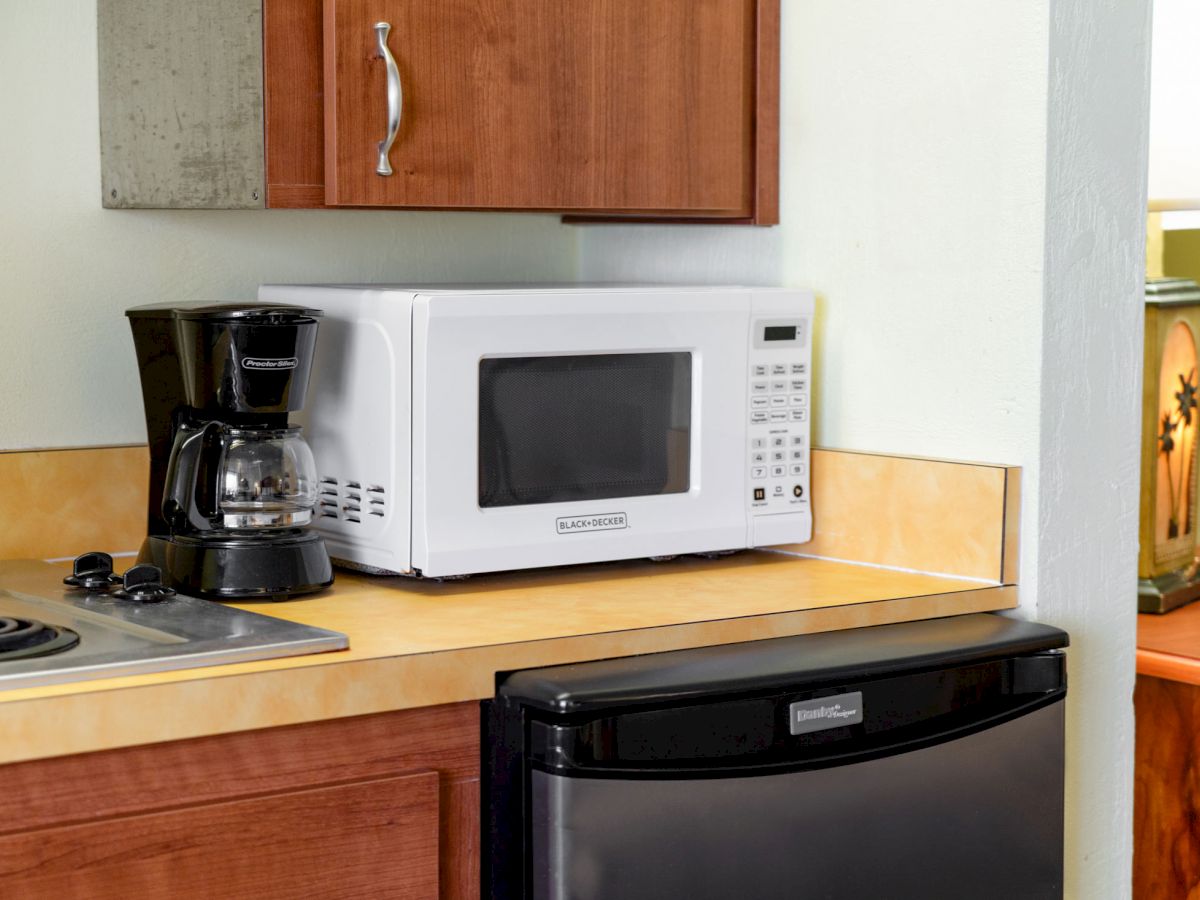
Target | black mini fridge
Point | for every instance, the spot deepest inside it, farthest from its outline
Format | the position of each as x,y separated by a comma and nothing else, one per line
918,760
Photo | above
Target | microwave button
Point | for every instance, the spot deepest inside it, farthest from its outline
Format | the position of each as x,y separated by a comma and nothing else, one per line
758,402
777,440
776,401
798,415
799,399
779,369
776,456
798,384
758,371
797,440
798,368
760,493
758,387
778,490
781,415
757,443
758,458
796,468
758,417
778,387
797,455
758,472
777,471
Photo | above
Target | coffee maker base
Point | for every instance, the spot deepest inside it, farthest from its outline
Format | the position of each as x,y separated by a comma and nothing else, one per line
235,568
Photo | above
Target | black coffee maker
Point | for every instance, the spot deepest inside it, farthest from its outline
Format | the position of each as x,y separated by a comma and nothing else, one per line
233,486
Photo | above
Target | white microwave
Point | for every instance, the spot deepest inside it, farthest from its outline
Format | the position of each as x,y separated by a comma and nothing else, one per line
474,429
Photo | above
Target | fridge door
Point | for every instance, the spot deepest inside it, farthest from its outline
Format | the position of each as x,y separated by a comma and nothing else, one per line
980,817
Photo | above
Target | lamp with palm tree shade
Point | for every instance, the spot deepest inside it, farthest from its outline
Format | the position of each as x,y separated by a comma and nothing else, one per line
1167,566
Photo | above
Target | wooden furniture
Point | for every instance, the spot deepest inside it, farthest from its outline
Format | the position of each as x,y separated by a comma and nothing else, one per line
1166,802
377,806
643,108
1166,845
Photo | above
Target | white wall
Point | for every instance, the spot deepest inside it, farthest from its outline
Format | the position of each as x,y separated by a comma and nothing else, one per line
1087,506
963,184
68,268
913,202
1175,102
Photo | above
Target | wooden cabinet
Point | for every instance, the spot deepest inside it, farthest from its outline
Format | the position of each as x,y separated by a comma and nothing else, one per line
544,104
642,108
1166,799
377,806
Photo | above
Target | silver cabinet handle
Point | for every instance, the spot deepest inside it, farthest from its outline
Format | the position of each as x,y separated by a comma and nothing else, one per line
395,99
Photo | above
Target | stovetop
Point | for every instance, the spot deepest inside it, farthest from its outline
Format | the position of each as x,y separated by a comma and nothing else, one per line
120,637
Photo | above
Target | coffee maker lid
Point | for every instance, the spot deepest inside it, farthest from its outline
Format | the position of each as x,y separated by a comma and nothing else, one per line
221,311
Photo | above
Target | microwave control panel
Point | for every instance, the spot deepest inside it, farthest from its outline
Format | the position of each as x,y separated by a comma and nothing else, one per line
777,461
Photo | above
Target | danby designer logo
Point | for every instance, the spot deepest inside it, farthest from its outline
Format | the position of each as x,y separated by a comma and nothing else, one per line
827,712
252,362
599,522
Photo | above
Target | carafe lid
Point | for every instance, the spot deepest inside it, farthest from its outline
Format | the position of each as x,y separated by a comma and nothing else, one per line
223,311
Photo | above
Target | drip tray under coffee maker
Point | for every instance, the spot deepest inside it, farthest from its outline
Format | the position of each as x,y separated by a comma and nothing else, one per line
278,567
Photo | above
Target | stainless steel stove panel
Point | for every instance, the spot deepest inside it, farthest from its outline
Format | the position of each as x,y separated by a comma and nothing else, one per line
119,637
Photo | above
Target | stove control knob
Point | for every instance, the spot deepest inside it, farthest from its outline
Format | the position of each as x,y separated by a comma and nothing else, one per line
143,584
93,572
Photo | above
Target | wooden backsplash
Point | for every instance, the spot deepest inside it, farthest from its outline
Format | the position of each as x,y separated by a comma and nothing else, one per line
930,515
63,502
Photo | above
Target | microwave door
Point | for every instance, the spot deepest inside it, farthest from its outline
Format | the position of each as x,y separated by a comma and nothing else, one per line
578,427
556,428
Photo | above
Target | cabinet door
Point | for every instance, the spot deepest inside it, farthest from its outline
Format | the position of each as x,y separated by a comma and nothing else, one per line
375,838
578,105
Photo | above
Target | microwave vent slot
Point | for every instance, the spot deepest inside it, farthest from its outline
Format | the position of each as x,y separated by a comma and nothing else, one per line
343,499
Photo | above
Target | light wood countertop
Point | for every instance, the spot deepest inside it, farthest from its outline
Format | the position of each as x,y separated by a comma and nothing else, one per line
423,643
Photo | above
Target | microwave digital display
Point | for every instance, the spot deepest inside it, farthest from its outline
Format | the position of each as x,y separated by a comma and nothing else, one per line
779,333
556,429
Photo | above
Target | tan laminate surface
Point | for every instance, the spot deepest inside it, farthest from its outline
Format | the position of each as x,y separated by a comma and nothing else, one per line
416,644
955,518
62,502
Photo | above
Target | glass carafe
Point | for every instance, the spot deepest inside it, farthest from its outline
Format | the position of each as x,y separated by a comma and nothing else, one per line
266,479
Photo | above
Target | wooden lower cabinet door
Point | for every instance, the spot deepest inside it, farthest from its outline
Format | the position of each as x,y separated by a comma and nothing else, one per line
370,838
1166,790
582,105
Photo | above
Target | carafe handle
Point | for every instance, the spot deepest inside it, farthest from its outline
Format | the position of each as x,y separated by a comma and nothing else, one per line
181,506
